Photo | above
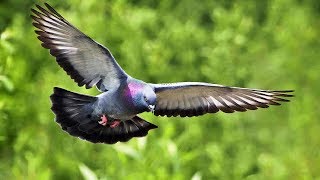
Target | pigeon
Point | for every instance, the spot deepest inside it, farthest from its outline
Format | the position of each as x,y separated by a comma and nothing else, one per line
112,116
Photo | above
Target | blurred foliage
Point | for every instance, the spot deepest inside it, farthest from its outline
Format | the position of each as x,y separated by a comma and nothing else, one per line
260,44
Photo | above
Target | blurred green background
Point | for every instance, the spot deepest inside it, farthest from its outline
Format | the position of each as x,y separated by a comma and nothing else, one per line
259,44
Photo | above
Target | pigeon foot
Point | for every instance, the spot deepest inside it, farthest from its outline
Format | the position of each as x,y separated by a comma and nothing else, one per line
115,123
103,121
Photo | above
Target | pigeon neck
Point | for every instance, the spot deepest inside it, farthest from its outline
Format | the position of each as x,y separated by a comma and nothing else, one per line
132,94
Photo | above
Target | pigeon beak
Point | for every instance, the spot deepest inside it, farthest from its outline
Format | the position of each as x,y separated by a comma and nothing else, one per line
151,108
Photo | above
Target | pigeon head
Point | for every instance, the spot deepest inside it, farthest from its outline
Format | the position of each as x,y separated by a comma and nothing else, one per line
140,96
149,97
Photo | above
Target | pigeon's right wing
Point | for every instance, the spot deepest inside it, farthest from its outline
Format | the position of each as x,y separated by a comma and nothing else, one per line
195,98
86,61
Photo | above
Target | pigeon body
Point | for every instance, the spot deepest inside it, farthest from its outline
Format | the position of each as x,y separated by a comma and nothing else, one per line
128,100
79,115
112,116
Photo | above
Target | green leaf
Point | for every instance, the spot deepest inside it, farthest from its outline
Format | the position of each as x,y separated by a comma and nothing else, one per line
87,173
5,81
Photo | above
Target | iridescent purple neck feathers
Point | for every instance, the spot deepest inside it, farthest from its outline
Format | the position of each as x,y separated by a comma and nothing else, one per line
133,89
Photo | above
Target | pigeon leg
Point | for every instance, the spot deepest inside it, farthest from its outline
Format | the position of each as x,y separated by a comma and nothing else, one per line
103,121
115,123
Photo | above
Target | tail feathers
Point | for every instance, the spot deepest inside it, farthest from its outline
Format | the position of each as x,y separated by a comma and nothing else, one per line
73,112
96,133
71,108
135,127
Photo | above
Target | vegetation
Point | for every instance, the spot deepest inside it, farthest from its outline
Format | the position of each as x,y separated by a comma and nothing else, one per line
260,44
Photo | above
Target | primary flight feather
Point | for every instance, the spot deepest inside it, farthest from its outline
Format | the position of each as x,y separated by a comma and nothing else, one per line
112,116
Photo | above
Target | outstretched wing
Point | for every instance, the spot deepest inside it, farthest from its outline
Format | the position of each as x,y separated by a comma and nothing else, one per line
193,99
86,61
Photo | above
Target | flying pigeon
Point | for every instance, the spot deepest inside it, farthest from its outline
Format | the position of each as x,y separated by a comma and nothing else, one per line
112,116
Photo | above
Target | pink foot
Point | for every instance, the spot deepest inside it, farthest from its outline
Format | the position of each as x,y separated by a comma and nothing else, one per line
115,123
103,121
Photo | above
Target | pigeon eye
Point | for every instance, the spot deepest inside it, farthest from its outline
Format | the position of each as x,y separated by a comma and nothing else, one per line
145,98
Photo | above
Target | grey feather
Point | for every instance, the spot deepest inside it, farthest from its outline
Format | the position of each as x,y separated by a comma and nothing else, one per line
86,61
200,98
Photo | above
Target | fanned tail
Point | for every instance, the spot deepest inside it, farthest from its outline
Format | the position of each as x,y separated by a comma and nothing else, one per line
96,133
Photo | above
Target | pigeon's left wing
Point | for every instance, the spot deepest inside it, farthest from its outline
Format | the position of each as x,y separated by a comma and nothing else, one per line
86,61
193,99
